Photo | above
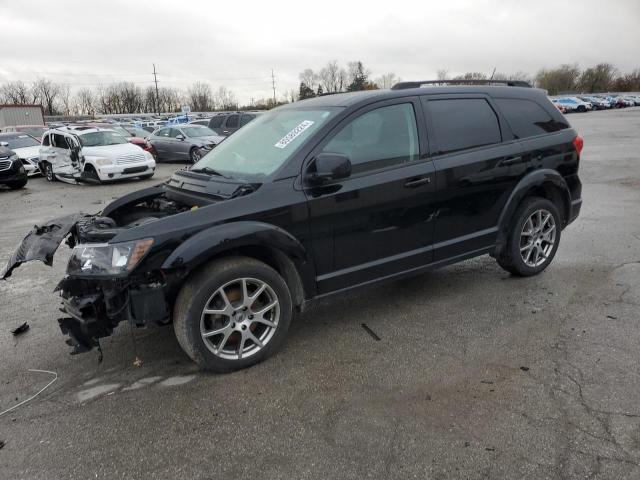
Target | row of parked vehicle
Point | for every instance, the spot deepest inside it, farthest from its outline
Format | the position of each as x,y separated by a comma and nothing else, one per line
585,103
102,151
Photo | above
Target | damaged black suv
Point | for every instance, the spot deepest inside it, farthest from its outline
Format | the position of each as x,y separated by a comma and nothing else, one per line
318,197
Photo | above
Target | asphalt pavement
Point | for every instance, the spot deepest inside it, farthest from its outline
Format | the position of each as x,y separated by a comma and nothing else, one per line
476,374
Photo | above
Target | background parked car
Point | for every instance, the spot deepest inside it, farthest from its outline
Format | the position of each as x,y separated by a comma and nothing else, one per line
183,142
136,140
228,123
12,172
572,104
35,131
25,147
598,103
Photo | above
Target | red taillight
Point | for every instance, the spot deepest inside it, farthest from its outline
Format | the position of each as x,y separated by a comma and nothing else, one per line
578,143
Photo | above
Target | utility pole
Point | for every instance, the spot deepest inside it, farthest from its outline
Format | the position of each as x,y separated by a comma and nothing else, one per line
273,84
155,79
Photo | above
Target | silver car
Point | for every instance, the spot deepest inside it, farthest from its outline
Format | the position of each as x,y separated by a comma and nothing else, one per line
183,142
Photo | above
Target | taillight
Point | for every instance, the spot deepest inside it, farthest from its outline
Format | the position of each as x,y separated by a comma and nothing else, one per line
578,143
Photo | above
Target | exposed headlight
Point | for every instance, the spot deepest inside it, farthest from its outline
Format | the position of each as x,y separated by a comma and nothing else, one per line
147,155
107,259
103,161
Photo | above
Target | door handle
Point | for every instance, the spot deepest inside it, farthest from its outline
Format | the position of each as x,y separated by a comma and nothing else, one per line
512,161
416,182
225,131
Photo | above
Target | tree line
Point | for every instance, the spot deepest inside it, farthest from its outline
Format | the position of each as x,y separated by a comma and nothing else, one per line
128,98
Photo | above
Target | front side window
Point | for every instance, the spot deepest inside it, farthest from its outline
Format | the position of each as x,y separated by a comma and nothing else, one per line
216,121
527,118
378,139
260,148
45,141
163,132
59,141
462,123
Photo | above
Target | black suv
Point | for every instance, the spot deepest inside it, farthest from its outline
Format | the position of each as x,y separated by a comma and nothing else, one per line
318,197
229,122
12,172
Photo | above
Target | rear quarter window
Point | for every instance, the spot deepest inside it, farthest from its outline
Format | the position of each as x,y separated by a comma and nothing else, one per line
462,123
527,118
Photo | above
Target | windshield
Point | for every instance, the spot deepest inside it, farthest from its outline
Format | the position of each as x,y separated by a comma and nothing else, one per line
33,131
20,141
101,139
137,132
263,145
197,131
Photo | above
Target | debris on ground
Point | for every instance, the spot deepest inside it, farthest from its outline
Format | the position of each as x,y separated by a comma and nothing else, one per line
2,444
370,332
137,362
21,329
36,394
524,369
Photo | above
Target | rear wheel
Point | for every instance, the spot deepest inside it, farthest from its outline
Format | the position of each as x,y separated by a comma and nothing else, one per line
533,238
233,313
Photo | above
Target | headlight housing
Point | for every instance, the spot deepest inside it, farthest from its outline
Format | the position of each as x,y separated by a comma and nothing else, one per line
102,161
147,155
107,258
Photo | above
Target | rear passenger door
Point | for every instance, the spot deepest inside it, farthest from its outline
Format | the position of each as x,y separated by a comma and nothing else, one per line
231,124
478,163
378,221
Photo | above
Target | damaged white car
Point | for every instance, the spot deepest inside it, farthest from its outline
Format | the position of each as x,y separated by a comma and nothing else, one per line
94,155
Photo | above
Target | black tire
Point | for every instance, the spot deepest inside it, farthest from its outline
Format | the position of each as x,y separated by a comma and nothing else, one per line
17,184
194,156
511,258
48,172
582,108
197,293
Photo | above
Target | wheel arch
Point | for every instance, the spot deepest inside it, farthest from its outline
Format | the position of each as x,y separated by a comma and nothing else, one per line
264,242
544,183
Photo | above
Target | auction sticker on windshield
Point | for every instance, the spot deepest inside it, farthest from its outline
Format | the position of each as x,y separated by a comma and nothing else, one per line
289,137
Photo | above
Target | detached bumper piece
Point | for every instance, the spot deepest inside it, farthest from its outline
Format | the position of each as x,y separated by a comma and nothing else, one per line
96,307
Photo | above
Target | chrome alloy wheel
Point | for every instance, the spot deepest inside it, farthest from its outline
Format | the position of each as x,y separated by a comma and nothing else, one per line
537,238
240,318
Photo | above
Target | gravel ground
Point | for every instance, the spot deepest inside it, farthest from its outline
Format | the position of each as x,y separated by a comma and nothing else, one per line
476,374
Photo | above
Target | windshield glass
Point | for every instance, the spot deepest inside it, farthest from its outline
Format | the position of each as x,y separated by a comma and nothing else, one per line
197,131
20,141
137,132
101,139
33,131
258,149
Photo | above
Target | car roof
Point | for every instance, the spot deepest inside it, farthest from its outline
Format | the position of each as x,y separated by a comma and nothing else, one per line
354,98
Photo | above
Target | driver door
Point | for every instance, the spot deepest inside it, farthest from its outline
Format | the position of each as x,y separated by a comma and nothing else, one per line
380,220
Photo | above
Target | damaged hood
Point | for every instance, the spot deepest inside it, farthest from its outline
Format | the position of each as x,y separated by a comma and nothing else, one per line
111,151
42,242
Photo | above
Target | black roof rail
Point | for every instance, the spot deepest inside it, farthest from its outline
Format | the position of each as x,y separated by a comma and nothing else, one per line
418,84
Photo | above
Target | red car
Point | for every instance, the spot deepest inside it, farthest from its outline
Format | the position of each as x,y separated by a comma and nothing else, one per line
35,131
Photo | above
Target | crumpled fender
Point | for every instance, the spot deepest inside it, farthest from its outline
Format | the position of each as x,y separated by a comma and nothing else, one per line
42,242
133,199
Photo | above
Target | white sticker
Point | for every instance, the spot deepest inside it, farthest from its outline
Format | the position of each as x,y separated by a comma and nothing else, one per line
289,137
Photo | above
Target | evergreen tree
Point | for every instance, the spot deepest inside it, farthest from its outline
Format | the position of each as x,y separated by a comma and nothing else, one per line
305,91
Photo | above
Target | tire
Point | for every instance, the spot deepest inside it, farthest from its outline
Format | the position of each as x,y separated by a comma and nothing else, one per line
582,108
539,244
194,155
146,177
17,184
220,352
48,172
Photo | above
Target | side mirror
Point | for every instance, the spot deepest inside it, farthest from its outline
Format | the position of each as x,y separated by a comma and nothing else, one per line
180,137
4,144
330,166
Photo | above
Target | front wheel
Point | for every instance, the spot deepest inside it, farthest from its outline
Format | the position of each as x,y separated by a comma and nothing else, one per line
233,313
533,238
17,184
194,155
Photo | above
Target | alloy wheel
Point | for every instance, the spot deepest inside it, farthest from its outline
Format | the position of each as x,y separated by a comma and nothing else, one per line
240,318
537,238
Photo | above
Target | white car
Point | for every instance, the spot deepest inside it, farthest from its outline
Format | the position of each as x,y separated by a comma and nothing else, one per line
93,154
25,147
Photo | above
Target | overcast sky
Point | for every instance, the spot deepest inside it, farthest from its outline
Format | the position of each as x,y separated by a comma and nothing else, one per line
237,43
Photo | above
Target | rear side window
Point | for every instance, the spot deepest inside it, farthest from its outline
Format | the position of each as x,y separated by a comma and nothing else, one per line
527,118
463,123
232,121
59,141
246,118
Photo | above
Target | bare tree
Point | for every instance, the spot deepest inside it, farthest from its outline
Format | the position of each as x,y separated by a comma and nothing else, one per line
66,101
85,102
333,78
226,99
48,92
309,78
442,74
387,80
558,80
17,93
200,97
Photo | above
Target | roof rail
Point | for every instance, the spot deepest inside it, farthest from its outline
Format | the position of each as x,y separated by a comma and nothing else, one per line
418,84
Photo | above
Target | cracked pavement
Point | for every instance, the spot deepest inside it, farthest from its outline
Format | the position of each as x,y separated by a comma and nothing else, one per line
476,375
